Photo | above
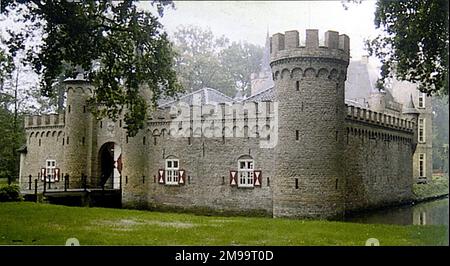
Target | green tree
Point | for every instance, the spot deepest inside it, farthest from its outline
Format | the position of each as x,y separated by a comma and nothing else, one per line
414,43
440,133
206,61
197,62
6,67
129,45
240,60
11,134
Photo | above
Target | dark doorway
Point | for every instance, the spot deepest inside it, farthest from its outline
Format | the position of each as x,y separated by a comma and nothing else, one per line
106,164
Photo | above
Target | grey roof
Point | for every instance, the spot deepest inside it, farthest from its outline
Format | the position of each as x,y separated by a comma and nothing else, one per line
198,97
265,95
410,108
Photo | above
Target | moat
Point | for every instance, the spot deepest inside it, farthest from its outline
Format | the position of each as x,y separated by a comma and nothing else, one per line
427,213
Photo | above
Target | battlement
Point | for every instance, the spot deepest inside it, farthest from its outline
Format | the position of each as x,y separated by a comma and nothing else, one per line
50,120
380,119
288,45
221,111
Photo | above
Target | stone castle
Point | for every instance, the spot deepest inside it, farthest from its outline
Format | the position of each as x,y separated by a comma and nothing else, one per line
297,149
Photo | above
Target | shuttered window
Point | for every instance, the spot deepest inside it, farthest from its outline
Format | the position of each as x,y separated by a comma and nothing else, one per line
245,173
51,172
172,171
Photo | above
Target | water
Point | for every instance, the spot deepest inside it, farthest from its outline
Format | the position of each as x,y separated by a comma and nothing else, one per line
427,213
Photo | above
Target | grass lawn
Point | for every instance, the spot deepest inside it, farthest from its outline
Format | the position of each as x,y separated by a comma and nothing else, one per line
25,223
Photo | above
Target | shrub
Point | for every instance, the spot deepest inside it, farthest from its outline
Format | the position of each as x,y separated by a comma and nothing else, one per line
10,193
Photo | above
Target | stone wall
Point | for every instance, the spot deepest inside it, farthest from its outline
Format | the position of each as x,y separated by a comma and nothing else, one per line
206,160
44,140
378,162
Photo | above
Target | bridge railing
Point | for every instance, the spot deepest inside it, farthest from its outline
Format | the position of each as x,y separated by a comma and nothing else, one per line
37,184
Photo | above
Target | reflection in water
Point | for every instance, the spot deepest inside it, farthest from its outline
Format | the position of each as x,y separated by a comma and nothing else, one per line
428,213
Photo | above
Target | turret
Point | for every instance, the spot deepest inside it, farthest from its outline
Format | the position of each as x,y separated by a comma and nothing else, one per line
309,85
412,114
77,126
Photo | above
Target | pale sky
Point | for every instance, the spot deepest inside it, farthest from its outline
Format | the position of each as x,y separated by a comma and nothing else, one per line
249,20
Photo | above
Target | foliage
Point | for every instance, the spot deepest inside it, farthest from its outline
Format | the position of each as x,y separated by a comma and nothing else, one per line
128,46
206,61
10,138
240,60
10,193
104,226
414,43
6,67
197,62
440,133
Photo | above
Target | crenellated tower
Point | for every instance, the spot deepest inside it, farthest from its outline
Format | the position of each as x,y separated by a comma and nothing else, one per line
309,84
78,127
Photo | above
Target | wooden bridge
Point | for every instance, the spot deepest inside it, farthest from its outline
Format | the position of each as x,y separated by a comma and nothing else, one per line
81,194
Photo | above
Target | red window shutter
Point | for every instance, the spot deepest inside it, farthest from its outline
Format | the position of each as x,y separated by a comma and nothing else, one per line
182,177
233,178
119,164
57,174
161,176
43,175
257,177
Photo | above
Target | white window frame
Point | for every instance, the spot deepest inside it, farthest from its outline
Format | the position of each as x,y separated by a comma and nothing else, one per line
172,172
50,166
421,130
422,165
246,168
422,98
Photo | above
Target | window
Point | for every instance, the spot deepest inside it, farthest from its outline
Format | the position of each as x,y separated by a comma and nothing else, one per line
245,173
421,100
421,164
297,85
421,130
50,166
172,171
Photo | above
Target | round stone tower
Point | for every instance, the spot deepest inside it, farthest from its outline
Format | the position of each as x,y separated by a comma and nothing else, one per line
309,84
77,126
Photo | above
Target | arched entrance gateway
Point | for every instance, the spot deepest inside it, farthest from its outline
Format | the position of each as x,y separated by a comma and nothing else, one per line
110,163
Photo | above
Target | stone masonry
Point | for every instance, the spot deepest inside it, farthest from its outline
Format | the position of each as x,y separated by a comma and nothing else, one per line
310,154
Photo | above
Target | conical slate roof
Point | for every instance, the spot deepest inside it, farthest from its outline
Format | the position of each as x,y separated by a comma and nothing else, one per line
410,108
